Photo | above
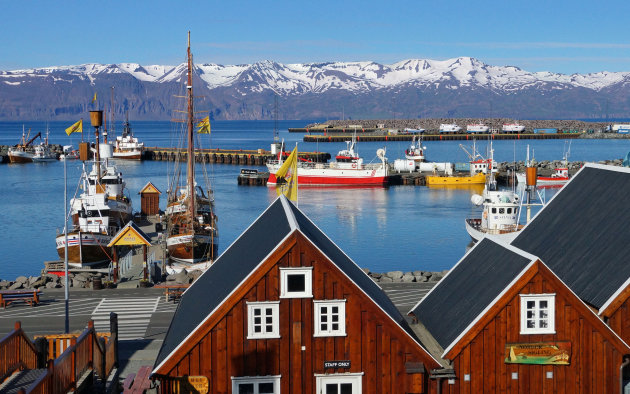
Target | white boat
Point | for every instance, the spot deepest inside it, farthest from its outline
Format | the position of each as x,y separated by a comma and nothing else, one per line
43,153
69,153
476,128
97,214
419,130
127,147
500,213
192,239
348,170
513,128
559,177
415,151
449,128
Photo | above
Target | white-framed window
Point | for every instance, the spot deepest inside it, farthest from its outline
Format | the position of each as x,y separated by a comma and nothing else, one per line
538,313
296,282
330,318
263,320
256,385
343,383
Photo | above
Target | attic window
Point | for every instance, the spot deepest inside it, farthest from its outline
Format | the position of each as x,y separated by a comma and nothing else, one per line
263,320
296,282
538,313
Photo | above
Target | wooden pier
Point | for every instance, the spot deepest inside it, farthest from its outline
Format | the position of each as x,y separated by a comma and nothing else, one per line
342,137
226,156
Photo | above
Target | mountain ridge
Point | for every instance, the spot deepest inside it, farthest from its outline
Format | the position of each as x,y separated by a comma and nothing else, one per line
458,87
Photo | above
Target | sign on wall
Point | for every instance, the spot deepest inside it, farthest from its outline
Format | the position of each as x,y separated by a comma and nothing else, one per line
545,353
337,364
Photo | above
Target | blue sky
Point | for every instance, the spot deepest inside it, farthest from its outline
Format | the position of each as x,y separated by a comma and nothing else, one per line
554,35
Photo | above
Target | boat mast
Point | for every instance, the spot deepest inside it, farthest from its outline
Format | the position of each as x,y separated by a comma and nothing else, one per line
191,143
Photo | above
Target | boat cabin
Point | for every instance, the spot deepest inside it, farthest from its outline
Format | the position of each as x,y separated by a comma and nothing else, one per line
284,310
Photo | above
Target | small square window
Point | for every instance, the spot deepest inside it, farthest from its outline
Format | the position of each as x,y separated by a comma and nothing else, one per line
538,314
330,318
494,210
296,282
263,320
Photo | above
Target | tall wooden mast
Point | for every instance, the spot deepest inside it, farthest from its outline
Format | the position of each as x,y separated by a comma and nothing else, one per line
191,142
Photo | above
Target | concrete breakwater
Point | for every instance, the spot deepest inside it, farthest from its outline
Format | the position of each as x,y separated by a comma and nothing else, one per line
433,124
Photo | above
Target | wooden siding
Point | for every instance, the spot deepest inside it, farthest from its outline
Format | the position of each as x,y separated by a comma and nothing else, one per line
374,344
150,203
619,320
596,353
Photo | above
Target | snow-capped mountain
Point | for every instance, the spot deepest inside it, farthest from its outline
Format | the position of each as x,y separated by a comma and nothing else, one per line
411,88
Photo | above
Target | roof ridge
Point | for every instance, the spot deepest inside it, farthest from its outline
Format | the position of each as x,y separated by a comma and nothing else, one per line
289,212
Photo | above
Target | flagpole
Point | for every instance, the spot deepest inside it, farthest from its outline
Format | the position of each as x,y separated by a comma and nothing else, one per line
65,231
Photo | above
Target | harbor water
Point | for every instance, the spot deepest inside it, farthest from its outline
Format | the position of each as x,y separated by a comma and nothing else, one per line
397,228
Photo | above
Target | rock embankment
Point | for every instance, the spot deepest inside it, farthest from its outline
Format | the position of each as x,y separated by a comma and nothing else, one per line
50,281
406,277
434,123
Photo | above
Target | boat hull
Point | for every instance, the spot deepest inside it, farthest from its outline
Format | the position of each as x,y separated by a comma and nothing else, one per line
85,249
433,180
473,228
20,157
544,181
189,249
130,155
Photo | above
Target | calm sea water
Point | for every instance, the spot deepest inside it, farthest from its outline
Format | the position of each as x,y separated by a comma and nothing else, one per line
398,228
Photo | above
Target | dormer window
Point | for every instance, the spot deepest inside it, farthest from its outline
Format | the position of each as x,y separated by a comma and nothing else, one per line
296,282
538,313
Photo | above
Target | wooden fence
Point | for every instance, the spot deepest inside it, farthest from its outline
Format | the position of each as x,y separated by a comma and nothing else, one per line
70,357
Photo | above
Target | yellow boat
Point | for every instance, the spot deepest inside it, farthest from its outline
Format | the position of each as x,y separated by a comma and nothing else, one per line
433,180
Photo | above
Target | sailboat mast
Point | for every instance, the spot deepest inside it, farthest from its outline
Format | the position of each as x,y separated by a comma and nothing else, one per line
191,143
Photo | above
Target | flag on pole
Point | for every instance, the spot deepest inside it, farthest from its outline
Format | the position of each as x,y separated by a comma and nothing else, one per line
75,128
204,125
286,177
94,99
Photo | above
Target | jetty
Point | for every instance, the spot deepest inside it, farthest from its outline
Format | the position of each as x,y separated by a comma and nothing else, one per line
256,157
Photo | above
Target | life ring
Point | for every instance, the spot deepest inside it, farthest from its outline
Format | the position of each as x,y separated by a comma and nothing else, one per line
354,165
485,215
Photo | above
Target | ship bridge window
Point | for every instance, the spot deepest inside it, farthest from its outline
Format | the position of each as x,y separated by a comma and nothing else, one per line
509,210
501,210
494,210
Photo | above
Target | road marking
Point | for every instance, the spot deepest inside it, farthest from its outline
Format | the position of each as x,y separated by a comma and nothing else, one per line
134,315
81,306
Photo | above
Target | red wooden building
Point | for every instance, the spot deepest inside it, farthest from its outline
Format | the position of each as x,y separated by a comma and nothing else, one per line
547,312
149,200
284,310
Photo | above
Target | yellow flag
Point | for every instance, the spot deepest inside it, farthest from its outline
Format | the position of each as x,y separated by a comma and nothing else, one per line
286,177
75,128
94,99
204,125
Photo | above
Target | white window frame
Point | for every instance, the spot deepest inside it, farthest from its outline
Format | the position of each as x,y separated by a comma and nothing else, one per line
341,332
355,378
308,282
551,313
275,315
275,379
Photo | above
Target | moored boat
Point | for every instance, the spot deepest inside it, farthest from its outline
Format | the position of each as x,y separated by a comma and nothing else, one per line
449,128
43,152
513,128
500,213
479,171
21,153
97,214
192,238
127,147
477,128
348,170
415,151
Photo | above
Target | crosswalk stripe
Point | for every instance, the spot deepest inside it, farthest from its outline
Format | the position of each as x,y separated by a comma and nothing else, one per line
134,315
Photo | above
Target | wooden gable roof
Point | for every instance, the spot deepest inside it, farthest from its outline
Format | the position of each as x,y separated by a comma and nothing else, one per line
131,234
467,275
149,188
581,234
271,231
469,289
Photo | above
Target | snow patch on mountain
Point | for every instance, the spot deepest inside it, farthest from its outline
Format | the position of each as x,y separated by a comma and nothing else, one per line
362,76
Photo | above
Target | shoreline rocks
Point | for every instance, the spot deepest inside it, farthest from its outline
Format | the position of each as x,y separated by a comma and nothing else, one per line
406,277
